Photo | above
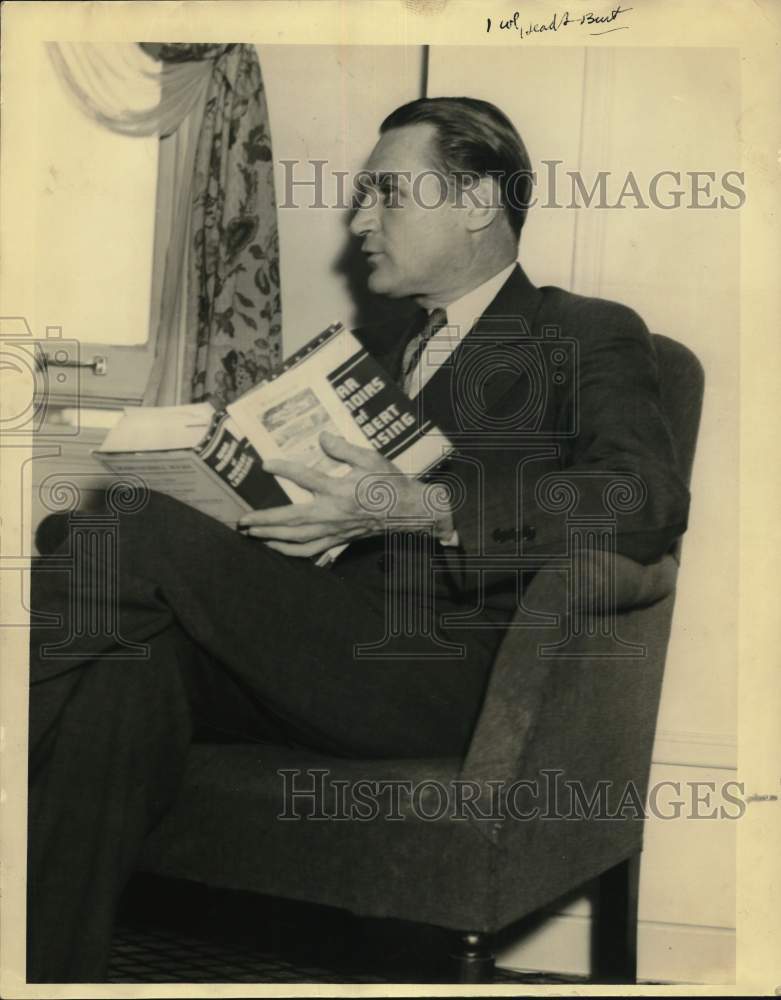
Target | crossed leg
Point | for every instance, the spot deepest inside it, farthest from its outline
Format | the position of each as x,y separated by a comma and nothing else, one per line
238,640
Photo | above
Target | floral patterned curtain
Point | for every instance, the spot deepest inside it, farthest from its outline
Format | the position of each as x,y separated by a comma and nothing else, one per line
230,299
234,307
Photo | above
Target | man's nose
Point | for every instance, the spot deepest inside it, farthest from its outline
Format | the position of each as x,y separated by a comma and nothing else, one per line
365,220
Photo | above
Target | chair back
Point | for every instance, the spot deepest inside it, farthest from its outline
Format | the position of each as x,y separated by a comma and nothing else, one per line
682,383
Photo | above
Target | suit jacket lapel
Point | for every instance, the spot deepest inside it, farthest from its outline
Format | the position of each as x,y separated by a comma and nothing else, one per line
507,319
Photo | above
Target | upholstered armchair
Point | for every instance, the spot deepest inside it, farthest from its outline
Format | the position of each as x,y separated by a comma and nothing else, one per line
558,764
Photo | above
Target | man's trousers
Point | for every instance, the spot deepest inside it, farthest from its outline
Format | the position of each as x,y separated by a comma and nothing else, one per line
213,635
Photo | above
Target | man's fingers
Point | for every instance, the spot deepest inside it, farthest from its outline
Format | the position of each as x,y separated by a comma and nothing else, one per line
338,447
289,515
304,550
291,533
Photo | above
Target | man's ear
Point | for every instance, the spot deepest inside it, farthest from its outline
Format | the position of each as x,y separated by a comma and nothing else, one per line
482,203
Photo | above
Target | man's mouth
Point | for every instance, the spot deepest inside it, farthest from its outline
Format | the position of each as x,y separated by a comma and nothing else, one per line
373,256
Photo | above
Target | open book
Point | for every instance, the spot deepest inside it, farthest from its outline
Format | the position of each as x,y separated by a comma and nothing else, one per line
213,460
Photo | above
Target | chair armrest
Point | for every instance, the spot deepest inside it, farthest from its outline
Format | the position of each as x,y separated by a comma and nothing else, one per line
548,704
634,585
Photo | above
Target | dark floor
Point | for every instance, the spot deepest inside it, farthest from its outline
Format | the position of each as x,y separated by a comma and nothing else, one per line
181,932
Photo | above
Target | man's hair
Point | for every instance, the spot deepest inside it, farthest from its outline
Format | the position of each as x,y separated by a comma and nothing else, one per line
474,137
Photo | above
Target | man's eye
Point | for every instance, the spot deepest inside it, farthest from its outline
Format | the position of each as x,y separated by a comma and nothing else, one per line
386,195
361,199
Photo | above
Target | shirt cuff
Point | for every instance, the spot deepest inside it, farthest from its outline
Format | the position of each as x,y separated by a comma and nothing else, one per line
446,532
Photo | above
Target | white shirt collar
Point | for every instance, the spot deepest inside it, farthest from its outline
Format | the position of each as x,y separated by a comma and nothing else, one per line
461,317
464,312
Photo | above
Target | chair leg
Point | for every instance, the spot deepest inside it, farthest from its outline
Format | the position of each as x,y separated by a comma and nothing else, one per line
614,941
474,957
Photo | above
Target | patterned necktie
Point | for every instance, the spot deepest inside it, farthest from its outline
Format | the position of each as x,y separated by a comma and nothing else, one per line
437,318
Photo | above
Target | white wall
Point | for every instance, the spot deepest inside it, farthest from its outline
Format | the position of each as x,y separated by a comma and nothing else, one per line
326,103
540,89
648,110
681,270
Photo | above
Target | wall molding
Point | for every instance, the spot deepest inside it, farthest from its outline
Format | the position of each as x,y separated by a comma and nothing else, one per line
667,952
595,145
696,749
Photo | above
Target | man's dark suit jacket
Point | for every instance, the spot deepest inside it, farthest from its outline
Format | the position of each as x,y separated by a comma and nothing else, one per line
552,402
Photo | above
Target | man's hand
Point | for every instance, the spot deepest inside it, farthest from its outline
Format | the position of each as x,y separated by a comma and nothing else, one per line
343,508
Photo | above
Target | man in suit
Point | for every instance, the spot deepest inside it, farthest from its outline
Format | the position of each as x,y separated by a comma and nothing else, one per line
246,638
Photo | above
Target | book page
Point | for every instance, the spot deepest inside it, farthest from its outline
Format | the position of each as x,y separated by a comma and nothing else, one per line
159,428
285,417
